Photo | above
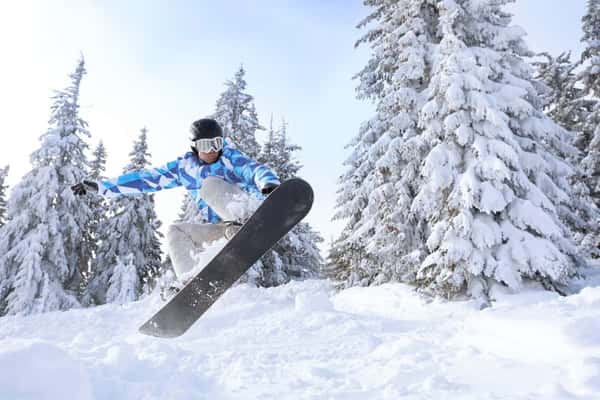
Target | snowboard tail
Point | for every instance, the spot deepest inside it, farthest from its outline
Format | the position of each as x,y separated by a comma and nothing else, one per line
275,217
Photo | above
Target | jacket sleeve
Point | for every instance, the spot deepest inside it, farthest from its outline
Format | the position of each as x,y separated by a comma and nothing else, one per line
148,180
252,172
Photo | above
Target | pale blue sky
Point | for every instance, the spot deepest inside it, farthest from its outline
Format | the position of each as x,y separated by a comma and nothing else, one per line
161,64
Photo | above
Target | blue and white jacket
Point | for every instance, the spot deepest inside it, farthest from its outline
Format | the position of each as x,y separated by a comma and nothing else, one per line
189,171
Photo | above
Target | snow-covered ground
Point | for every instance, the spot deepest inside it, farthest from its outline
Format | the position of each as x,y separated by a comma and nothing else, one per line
305,341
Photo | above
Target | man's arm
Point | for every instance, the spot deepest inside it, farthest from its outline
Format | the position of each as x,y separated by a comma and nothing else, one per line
148,180
253,172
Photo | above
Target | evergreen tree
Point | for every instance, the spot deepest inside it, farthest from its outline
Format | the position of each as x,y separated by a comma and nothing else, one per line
497,173
336,265
568,105
477,167
190,211
124,283
267,153
590,78
383,239
98,206
44,246
166,277
3,194
296,256
98,163
237,115
563,100
591,53
128,239
277,153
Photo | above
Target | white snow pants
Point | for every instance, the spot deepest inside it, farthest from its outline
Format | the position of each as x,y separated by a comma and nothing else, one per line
184,239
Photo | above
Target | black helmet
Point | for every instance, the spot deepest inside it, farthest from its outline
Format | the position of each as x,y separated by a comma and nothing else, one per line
205,128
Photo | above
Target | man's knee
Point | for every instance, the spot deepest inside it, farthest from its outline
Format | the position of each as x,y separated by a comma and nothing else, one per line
174,232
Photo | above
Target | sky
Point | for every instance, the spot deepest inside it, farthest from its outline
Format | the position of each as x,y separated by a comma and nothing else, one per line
163,64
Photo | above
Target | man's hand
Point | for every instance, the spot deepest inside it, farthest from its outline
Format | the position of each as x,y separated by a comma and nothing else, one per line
268,188
84,187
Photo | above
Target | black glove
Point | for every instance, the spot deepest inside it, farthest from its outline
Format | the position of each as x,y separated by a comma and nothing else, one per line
84,187
268,188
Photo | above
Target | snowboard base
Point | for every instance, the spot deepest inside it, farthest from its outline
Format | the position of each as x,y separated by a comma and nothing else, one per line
276,216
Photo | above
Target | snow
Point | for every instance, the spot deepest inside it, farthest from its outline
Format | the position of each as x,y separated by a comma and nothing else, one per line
304,340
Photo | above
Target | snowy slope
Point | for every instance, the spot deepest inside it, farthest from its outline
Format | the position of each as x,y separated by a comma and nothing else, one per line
304,341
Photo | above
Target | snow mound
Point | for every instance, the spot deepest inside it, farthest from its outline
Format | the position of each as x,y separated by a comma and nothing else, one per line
31,370
304,340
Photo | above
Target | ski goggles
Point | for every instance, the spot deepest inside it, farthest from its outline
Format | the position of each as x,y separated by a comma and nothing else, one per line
208,145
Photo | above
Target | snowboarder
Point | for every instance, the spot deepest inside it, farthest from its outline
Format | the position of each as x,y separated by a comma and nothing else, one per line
215,174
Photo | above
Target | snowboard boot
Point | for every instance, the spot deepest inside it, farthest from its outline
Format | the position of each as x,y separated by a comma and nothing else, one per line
231,228
167,292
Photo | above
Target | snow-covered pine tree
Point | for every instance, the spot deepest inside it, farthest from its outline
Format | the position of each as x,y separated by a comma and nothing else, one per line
335,265
296,256
3,194
496,177
382,239
563,99
267,151
124,284
190,211
300,255
591,52
166,277
569,106
277,152
483,172
44,246
590,78
98,163
99,208
236,113
131,229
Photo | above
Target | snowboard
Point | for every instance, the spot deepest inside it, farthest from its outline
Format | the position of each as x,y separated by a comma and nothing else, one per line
275,217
